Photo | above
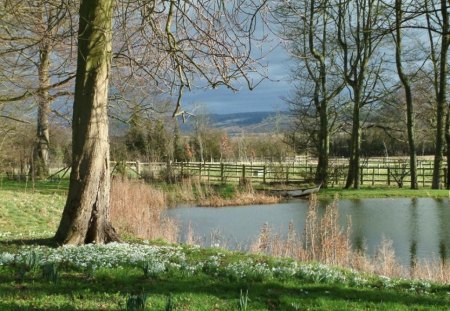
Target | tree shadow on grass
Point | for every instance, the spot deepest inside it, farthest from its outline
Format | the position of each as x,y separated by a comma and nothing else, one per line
271,295
14,244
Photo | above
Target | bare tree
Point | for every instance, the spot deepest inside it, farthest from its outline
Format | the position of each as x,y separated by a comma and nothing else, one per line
405,81
308,26
207,39
357,24
36,59
438,28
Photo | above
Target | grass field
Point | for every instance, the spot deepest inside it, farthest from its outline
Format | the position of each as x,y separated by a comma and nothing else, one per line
35,275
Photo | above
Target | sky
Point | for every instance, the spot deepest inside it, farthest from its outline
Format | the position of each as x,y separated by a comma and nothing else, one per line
267,96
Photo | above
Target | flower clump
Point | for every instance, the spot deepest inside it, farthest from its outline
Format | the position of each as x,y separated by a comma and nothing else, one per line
156,261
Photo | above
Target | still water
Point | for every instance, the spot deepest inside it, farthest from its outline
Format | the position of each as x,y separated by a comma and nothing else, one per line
418,227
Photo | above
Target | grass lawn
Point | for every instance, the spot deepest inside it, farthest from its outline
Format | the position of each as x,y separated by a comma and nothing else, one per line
40,186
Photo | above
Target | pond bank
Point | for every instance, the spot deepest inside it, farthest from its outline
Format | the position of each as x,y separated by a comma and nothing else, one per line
417,227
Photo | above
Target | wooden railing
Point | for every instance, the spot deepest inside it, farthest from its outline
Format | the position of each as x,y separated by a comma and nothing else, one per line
371,172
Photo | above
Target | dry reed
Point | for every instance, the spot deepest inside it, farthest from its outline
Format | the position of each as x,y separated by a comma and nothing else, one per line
192,190
137,209
433,270
322,240
245,195
325,241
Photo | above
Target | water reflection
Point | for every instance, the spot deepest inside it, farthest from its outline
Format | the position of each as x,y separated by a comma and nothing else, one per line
413,233
418,227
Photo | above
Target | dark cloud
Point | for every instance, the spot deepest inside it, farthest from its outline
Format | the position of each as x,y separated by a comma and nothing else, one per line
268,96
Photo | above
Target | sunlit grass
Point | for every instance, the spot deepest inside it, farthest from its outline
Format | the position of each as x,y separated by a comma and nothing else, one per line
41,186
382,192
29,214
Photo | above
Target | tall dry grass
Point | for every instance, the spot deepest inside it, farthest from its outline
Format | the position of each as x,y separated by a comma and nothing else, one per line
245,194
192,190
324,240
137,209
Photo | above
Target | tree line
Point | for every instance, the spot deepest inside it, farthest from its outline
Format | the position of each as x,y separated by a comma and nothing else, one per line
358,60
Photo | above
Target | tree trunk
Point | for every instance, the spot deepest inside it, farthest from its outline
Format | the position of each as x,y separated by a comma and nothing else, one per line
86,214
39,165
444,73
439,148
441,98
447,140
354,162
324,146
411,138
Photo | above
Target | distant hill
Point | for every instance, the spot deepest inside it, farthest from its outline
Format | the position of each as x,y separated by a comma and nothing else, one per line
249,122
233,123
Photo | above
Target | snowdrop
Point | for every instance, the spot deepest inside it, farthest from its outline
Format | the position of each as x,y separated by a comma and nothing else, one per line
6,259
158,260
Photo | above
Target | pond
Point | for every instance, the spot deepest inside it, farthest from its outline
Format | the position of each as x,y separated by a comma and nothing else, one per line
418,227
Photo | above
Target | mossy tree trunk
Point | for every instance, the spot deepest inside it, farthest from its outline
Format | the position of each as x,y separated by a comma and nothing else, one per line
85,218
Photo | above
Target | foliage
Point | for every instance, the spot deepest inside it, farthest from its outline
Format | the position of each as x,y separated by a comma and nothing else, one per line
148,139
136,302
50,272
243,301
170,305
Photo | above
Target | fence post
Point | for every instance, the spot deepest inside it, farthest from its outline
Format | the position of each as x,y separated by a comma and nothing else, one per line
243,173
264,174
138,167
423,177
200,171
361,175
445,177
389,175
221,172
208,167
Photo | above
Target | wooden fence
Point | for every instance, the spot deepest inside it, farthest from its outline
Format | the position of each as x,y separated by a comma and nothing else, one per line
371,172
301,169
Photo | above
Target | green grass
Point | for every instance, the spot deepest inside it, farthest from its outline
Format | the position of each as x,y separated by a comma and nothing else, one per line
31,218
40,186
382,192
26,213
109,291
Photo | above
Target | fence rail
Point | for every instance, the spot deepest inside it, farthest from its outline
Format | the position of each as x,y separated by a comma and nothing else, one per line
373,171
